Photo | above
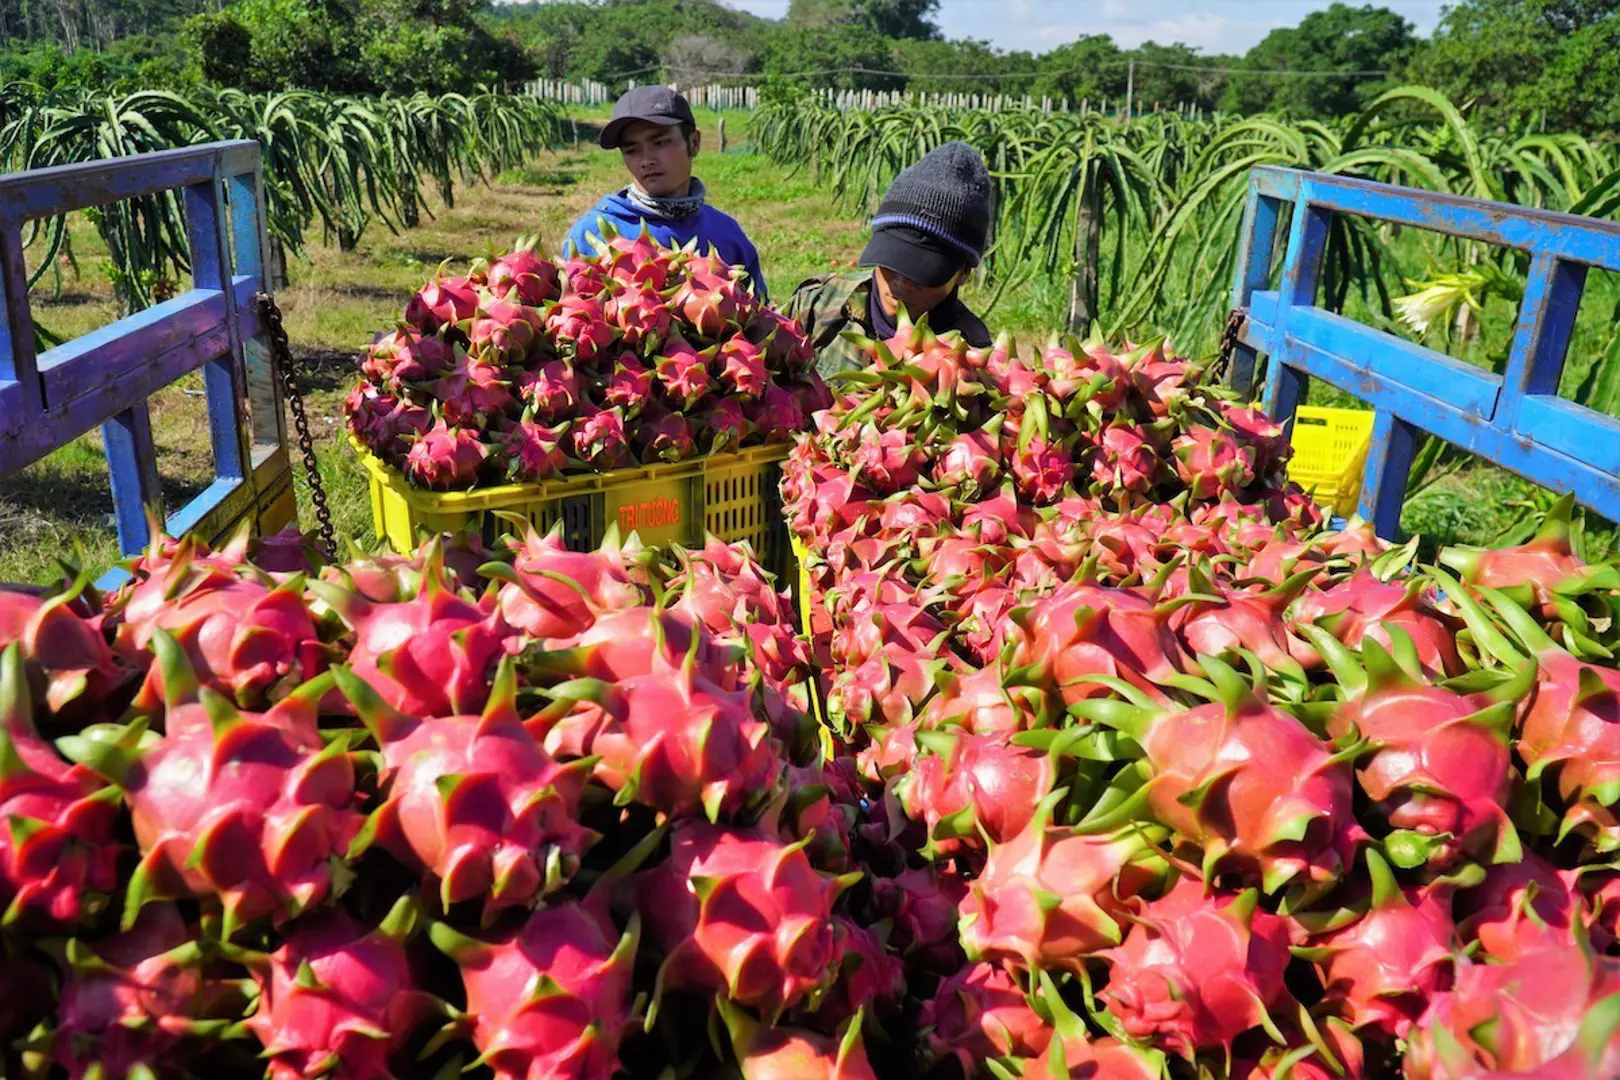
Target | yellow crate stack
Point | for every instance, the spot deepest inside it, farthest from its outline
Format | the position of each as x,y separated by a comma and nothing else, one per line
1330,455
733,495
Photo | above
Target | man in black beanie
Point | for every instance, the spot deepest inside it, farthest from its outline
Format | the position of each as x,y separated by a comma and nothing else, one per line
928,235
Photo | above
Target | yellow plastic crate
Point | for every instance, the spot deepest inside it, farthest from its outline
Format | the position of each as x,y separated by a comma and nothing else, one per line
734,496
1330,455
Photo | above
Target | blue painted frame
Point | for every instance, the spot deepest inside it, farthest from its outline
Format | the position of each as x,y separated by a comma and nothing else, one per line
1517,421
105,377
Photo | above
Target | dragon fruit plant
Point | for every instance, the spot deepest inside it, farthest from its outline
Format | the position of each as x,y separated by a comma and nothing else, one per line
505,374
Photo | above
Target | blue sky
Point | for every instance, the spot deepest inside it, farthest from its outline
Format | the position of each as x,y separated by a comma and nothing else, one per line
1229,26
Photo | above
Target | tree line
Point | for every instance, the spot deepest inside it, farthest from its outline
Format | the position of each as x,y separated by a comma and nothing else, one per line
1518,63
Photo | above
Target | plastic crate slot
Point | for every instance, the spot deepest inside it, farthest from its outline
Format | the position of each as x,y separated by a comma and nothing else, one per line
581,517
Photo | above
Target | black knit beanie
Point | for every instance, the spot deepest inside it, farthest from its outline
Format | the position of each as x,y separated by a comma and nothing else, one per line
947,195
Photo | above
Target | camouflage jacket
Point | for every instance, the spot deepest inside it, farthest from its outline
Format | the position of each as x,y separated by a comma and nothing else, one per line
830,304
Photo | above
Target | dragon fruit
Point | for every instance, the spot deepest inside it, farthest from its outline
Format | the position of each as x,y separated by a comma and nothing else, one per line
870,979
58,859
683,372
581,323
134,1002
713,302
1517,905
725,424
406,356
249,641
551,592
1550,1012
1052,896
1073,1051
586,278
1211,462
629,387
783,1053
1197,970
638,260
981,1013
1240,620
474,800
1361,607
973,790
598,439
553,391
1245,781
813,393
1084,630
531,452
445,457
444,301
472,390
742,368
509,333
971,464
429,653
1124,461
1436,763
1042,471
1544,574
739,913
787,351
921,908
535,279
64,653
640,314
888,460
777,415
551,998
1259,433
1381,970
665,436
336,999
239,807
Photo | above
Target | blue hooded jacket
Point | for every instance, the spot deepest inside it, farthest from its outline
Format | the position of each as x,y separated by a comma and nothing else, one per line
713,229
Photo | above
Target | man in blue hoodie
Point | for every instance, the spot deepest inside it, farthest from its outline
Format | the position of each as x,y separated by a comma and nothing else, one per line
654,131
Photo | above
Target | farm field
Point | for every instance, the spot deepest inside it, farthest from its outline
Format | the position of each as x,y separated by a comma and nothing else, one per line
338,300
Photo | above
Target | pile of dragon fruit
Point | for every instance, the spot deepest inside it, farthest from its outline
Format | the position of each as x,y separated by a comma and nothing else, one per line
1162,777
526,368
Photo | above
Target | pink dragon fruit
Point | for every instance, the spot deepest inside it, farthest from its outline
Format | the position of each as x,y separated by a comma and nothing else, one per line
870,979
553,391
1436,764
725,425
366,412
472,390
1381,970
510,331
535,279
971,464
921,906
673,740
629,387
444,301
1198,970
742,368
981,1013
58,860
430,653
641,315
64,652
683,372
1086,630
814,395
580,323
1052,896
1261,434
244,638
739,913
585,276
1281,809
973,790
777,415
598,439
638,260
713,301
1361,608
445,458
1517,905
1124,461
1042,470
336,999
239,807
406,356
787,351
1211,462
531,452
888,460
551,592
665,436
786,1053
551,998
474,800
135,1002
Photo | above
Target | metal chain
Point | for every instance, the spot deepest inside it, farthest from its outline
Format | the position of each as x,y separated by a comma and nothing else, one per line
1228,345
281,351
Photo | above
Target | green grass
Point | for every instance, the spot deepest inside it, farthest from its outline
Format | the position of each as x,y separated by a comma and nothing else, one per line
338,301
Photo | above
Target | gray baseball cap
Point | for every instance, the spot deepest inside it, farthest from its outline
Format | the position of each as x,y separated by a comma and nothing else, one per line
649,104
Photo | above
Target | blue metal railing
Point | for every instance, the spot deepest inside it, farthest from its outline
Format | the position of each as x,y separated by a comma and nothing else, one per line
105,377
1516,420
